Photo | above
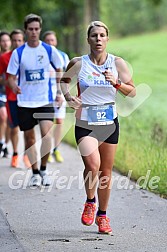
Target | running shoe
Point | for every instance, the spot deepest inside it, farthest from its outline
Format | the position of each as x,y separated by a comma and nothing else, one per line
5,153
88,215
15,161
35,180
46,181
58,156
50,159
1,151
26,161
103,223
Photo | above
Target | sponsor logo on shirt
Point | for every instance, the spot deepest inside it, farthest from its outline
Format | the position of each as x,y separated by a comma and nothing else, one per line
97,79
40,58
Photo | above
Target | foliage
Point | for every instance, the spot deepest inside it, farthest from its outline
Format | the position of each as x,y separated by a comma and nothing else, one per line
143,142
69,18
126,17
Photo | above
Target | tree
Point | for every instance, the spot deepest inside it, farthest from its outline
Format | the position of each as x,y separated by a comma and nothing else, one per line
91,12
70,18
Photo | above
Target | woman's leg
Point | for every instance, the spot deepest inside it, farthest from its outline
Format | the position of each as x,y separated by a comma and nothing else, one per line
107,154
88,147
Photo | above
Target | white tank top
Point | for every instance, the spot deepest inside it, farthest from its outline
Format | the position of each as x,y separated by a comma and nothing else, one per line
93,89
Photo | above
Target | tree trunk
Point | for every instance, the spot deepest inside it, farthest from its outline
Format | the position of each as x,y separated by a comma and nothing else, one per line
91,13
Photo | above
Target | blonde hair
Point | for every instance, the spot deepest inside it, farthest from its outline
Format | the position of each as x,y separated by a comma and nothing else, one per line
97,23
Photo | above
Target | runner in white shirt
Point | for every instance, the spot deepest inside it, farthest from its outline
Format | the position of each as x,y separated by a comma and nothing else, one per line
35,98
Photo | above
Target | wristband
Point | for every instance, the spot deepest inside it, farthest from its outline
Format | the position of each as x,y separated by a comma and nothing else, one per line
117,86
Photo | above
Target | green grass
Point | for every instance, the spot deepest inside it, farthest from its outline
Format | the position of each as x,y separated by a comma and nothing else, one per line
143,135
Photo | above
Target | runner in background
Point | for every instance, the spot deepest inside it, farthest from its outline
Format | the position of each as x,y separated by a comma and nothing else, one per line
5,44
17,39
50,38
34,94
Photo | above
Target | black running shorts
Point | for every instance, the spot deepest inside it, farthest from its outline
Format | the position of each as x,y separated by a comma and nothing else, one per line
29,117
103,133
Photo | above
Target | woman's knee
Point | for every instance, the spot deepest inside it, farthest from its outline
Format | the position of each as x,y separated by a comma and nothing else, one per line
92,167
105,175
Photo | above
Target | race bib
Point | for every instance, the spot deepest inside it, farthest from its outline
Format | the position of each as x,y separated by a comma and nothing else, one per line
34,75
100,115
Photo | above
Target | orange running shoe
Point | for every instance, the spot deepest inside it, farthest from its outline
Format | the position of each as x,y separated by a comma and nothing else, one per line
26,161
15,161
103,223
88,215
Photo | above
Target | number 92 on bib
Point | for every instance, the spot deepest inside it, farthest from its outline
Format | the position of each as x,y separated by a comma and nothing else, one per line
100,115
